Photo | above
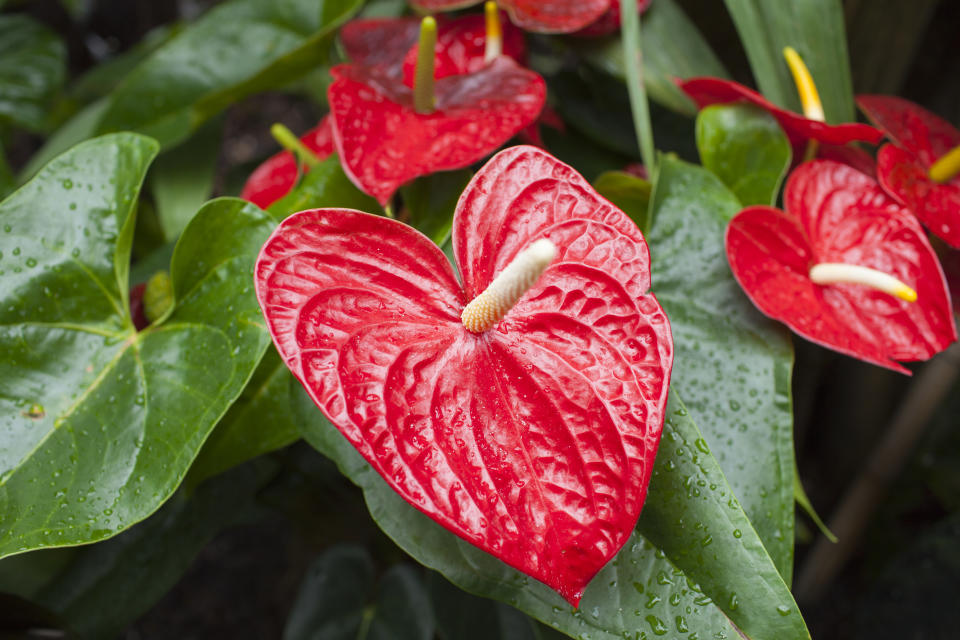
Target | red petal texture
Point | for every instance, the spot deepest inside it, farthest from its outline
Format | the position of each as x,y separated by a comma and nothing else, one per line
461,45
910,126
921,137
379,41
274,178
534,440
609,22
542,16
838,214
384,143
708,91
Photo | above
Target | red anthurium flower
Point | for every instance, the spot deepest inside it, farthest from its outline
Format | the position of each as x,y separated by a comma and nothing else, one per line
906,169
840,227
274,178
542,16
384,142
532,433
799,129
609,22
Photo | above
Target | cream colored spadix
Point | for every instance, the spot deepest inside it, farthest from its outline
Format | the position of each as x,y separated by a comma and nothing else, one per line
836,273
946,167
494,37
809,97
489,308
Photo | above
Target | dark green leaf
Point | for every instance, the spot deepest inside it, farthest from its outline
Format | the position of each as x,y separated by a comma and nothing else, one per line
7,181
77,129
815,29
642,589
238,48
332,603
103,422
630,193
109,585
746,148
260,421
672,48
326,185
430,202
732,365
182,178
804,502
461,616
33,66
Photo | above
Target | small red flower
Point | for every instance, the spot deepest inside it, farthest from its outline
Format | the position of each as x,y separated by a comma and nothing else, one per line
799,129
533,438
920,138
836,215
542,16
274,178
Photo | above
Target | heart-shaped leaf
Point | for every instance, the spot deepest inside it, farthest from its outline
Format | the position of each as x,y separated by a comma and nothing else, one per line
746,148
835,214
100,429
33,66
383,142
238,48
533,440
642,591
732,364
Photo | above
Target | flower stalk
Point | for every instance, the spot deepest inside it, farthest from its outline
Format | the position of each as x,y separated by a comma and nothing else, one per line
292,143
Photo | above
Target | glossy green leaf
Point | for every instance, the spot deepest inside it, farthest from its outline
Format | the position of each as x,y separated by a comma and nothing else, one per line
732,365
429,202
332,602
33,66
326,185
81,126
672,48
260,421
107,586
236,49
182,178
642,590
102,422
630,193
745,147
815,29
7,181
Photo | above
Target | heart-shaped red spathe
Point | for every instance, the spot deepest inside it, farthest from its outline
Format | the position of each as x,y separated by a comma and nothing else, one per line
541,16
920,139
706,91
535,440
835,213
274,178
383,142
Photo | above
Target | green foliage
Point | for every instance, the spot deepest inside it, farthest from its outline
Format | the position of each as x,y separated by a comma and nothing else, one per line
33,66
745,147
430,201
731,364
326,185
103,421
630,193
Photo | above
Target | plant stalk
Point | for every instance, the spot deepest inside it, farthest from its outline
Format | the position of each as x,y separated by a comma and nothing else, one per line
633,66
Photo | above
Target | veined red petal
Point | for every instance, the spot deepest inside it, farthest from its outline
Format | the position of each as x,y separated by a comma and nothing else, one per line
910,126
384,143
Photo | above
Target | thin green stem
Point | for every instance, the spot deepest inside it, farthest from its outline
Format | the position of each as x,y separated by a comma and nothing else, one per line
423,98
292,143
633,65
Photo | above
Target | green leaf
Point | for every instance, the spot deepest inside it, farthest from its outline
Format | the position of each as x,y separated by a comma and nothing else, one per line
33,66
630,193
672,48
77,129
182,179
461,616
260,421
732,365
746,148
107,586
642,589
332,602
815,29
236,49
7,181
801,497
102,422
326,185
431,200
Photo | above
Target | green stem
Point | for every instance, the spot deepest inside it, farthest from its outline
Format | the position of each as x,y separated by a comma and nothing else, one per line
633,65
292,144
423,98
